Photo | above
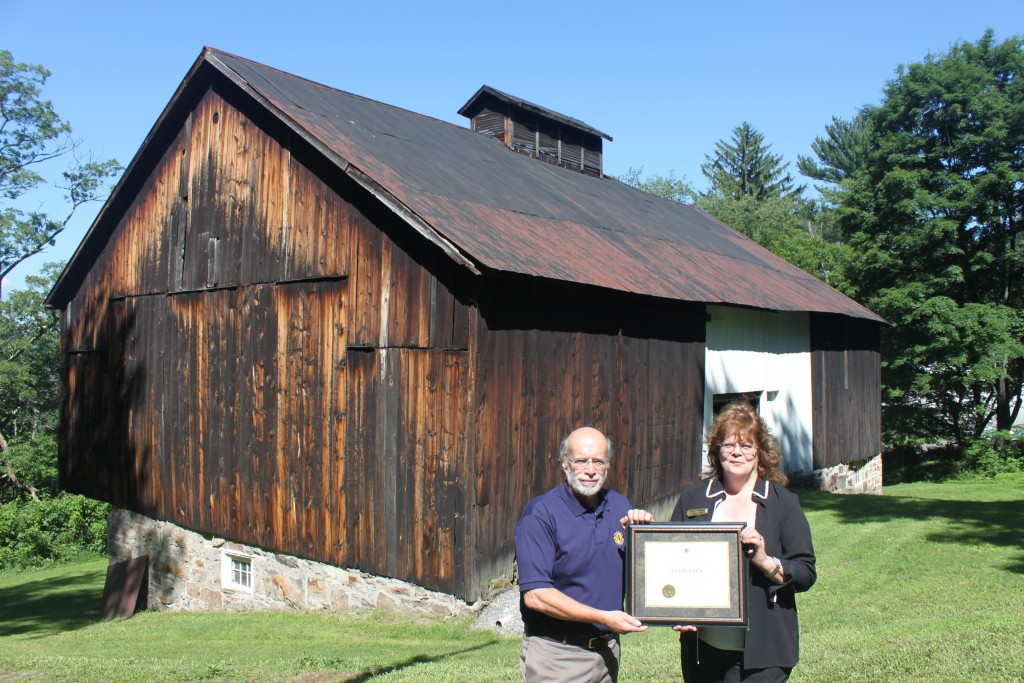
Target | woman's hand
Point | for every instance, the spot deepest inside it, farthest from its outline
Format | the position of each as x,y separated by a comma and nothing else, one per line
753,548
684,628
753,544
636,517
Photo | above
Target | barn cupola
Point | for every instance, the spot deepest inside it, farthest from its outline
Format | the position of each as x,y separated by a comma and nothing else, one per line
535,131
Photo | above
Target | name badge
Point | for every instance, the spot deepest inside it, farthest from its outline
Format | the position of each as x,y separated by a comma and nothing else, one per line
696,512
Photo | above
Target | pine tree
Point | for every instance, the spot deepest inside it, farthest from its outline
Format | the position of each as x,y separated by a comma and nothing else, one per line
746,167
842,152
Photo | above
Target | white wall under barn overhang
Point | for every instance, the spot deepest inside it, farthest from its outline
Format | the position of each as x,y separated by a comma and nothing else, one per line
768,354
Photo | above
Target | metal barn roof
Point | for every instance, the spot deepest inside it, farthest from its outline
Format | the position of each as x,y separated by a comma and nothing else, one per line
494,210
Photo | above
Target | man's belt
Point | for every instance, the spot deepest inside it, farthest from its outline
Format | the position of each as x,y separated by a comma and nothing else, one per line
592,642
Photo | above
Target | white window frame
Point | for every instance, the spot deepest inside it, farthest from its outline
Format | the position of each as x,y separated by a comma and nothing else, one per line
228,570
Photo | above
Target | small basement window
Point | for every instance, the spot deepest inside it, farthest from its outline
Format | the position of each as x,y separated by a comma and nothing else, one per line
236,571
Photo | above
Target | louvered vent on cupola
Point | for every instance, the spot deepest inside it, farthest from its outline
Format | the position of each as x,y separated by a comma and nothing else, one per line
535,131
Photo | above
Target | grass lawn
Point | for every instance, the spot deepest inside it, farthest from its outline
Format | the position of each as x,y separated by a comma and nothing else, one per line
924,583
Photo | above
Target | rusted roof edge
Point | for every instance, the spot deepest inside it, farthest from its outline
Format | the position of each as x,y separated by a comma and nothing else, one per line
280,114
407,214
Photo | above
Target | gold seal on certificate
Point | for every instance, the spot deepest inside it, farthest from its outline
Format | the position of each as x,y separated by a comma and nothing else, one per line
686,573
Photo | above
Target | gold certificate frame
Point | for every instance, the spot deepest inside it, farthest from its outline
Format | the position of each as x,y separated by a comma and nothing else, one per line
686,573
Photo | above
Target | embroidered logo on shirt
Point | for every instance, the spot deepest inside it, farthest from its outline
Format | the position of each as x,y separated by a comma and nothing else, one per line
618,538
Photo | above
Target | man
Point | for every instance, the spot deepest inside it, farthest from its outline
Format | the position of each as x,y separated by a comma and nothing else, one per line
570,548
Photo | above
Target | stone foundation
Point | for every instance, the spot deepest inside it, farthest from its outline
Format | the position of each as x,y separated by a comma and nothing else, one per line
187,569
186,572
863,477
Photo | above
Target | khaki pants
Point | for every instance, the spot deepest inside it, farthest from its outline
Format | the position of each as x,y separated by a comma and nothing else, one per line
546,661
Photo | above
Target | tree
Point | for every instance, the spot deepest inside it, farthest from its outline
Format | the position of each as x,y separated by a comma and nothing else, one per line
791,229
842,153
935,219
745,167
669,187
785,225
29,388
31,136
38,524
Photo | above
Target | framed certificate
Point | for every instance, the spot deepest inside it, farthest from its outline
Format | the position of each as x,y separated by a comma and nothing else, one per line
686,573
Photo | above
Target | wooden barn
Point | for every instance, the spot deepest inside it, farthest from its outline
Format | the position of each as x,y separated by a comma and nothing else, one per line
343,331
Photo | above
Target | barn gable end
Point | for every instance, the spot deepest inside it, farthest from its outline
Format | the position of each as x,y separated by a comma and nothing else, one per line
241,361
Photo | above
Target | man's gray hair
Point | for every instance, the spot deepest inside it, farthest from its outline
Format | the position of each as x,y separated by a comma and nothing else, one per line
563,450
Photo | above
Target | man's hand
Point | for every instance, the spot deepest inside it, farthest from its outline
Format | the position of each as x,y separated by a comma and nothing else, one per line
636,517
555,603
620,622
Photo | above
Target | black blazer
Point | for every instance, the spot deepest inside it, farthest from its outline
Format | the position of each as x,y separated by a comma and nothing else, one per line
773,635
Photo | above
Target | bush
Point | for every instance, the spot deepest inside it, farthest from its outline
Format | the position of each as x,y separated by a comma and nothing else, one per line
57,529
994,454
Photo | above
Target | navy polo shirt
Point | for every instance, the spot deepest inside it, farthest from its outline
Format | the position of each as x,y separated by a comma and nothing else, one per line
561,544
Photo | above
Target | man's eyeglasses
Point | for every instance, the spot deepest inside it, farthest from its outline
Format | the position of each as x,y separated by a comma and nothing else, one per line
581,465
745,448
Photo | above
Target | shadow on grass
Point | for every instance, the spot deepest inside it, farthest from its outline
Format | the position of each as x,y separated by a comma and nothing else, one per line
413,661
52,605
904,464
970,522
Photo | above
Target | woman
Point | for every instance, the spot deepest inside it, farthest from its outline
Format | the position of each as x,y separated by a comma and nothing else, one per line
746,485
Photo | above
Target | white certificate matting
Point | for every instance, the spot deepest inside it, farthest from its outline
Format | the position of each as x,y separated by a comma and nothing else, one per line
687,574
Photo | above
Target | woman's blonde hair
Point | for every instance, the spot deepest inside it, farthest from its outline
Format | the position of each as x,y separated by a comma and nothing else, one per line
741,419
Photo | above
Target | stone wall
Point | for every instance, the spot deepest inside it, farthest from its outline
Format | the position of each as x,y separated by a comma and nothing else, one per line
862,477
186,572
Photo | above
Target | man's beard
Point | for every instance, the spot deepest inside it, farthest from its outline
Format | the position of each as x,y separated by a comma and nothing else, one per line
585,491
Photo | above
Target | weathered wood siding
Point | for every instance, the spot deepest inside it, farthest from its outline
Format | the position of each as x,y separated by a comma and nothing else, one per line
265,353
847,385
563,357
255,357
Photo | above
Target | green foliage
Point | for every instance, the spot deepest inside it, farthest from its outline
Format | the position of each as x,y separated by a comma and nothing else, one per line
746,167
843,152
934,216
669,187
32,135
994,454
29,390
943,359
36,525
31,126
34,462
791,228
37,533
29,357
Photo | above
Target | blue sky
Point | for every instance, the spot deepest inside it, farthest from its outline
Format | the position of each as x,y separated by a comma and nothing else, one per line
665,79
